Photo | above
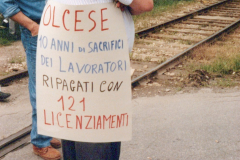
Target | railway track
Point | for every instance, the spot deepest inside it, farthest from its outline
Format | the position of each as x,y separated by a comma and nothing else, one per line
161,45
164,44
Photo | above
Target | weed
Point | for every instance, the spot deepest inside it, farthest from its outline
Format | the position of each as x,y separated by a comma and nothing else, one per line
137,36
147,59
187,42
161,60
5,42
137,58
179,89
5,37
223,65
204,25
131,55
225,82
18,60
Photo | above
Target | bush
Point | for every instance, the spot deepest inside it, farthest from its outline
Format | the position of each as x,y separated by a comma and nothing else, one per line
5,37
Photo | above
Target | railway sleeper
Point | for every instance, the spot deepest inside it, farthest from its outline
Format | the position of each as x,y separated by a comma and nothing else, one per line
226,15
189,31
229,8
149,40
160,48
198,28
212,21
204,24
190,40
230,15
224,11
216,20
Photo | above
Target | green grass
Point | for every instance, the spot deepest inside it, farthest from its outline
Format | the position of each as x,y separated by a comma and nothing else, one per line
17,60
225,82
161,6
223,65
4,41
158,3
5,37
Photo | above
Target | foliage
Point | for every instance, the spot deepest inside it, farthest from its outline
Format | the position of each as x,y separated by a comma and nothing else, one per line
224,65
5,37
161,6
167,2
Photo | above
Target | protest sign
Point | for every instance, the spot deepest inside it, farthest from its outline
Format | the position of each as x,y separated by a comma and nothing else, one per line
83,74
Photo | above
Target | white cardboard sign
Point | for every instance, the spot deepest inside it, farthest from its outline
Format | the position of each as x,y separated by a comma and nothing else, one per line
83,74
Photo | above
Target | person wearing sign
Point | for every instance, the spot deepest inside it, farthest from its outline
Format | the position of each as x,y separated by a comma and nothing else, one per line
28,14
105,151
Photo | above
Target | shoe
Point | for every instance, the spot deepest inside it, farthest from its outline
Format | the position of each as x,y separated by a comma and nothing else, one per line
47,153
55,143
4,95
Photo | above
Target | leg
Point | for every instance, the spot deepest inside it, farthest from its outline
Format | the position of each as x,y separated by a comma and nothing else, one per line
30,45
97,151
116,148
41,144
68,149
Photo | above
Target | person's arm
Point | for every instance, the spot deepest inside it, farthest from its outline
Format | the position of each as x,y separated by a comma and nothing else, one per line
138,6
26,22
10,9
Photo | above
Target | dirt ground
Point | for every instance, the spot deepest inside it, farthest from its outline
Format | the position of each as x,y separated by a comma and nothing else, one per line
12,58
178,80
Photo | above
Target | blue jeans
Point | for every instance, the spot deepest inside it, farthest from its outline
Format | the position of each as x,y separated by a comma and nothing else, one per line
30,46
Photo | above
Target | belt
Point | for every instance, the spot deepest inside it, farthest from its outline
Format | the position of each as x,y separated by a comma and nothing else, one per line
37,20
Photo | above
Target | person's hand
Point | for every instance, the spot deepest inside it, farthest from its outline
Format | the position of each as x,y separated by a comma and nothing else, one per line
120,5
26,22
34,29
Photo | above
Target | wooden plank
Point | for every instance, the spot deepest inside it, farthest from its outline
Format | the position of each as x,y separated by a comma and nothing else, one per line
12,76
216,17
207,33
215,20
196,27
173,37
225,10
233,6
161,42
224,15
227,14
204,24
202,20
159,48
230,8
